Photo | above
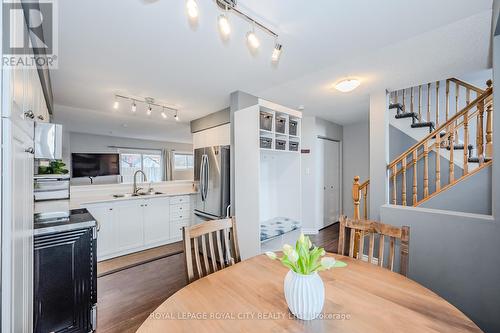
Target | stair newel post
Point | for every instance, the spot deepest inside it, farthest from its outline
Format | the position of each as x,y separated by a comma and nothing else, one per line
466,142
419,104
365,202
451,133
489,126
394,190
489,131
428,102
437,104
480,135
403,182
447,99
426,169
438,161
415,192
355,197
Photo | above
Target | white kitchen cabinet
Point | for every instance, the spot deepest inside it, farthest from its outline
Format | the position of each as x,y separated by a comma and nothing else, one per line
156,221
128,224
106,225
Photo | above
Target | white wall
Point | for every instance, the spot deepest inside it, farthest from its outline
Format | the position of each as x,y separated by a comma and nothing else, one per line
91,143
312,188
356,160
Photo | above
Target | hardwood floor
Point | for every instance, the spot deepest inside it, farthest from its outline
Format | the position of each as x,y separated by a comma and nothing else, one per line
127,297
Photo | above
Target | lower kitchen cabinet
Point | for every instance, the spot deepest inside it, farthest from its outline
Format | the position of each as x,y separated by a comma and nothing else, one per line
129,226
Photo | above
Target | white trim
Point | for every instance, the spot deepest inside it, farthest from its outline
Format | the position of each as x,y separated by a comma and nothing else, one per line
279,108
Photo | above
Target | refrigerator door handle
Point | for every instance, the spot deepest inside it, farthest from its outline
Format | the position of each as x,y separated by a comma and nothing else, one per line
202,178
207,175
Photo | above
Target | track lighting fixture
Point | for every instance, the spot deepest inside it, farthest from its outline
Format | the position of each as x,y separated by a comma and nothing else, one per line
192,9
276,52
149,102
224,26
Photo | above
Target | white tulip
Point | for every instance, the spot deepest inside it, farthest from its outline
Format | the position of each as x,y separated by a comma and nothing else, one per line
327,262
271,255
287,249
293,256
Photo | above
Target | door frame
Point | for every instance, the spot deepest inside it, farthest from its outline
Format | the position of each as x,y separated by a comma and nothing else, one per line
341,171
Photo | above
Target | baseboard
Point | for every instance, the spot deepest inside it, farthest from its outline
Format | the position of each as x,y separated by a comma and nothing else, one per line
310,231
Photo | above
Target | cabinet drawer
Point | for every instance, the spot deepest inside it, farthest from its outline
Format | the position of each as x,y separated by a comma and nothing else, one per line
182,208
182,199
183,215
176,228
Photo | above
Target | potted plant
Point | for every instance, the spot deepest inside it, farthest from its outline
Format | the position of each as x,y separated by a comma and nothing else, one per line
303,287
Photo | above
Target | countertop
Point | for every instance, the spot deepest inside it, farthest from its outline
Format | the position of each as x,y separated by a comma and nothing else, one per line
46,223
81,201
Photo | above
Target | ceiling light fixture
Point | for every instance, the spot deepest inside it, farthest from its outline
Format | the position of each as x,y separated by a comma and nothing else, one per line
116,105
133,108
347,85
149,111
253,40
176,117
192,9
275,57
149,102
224,26
163,114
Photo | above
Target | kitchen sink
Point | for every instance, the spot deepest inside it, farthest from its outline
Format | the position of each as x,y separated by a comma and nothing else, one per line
140,194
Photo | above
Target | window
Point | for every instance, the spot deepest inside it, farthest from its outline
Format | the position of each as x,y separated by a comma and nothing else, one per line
150,162
183,161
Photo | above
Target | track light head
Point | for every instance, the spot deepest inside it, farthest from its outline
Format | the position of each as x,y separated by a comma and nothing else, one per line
149,111
276,52
253,40
133,108
116,105
224,26
176,117
192,9
163,114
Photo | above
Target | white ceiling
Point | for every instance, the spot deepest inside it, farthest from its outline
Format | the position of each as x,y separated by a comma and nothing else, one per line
148,48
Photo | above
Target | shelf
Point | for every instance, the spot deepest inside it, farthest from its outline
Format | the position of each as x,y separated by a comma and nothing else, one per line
279,151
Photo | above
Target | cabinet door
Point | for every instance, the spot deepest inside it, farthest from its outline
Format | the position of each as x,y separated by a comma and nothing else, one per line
128,223
17,228
106,244
176,229
156,220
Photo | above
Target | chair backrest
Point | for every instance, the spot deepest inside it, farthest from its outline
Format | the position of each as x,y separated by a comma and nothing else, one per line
367,228
224,253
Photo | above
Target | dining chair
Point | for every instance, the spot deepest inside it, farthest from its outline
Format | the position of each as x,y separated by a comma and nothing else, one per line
224,253
367,228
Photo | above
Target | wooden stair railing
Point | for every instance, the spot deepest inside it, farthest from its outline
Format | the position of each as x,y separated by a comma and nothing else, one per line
360,191
445,136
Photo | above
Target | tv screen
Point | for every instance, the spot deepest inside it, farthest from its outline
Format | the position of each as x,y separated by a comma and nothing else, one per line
93,165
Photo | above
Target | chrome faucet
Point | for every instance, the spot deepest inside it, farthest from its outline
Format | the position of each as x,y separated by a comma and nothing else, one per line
136,189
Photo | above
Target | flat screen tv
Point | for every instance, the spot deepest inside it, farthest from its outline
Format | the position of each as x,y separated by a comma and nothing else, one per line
93,165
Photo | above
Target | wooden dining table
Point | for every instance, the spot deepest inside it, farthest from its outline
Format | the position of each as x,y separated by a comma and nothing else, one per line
248,297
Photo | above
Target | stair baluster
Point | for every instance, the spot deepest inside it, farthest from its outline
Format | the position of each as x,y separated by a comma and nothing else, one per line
403,182
394,193
466,142
457,95
437,104
426,169
428,102
404,100
447,99
411,100
489,132
419,104
415,190
451,140
438,162
480,142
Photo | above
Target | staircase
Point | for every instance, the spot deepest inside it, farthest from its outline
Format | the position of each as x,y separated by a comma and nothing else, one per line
460,137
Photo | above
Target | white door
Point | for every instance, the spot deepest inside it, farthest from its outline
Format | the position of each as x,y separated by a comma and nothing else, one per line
330,151
156,220
106,235
128,224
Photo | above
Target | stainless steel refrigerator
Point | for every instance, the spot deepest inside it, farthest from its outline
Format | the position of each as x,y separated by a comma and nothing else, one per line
211,171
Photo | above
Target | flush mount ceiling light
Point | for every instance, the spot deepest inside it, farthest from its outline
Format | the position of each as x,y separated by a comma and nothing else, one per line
347,85
192,9
149,102
225,28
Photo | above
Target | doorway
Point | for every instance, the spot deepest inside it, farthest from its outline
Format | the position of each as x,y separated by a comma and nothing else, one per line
330,155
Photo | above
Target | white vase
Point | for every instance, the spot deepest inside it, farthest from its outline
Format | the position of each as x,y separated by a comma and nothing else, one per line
304,294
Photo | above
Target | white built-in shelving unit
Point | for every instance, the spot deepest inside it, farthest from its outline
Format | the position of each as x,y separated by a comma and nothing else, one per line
267,178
